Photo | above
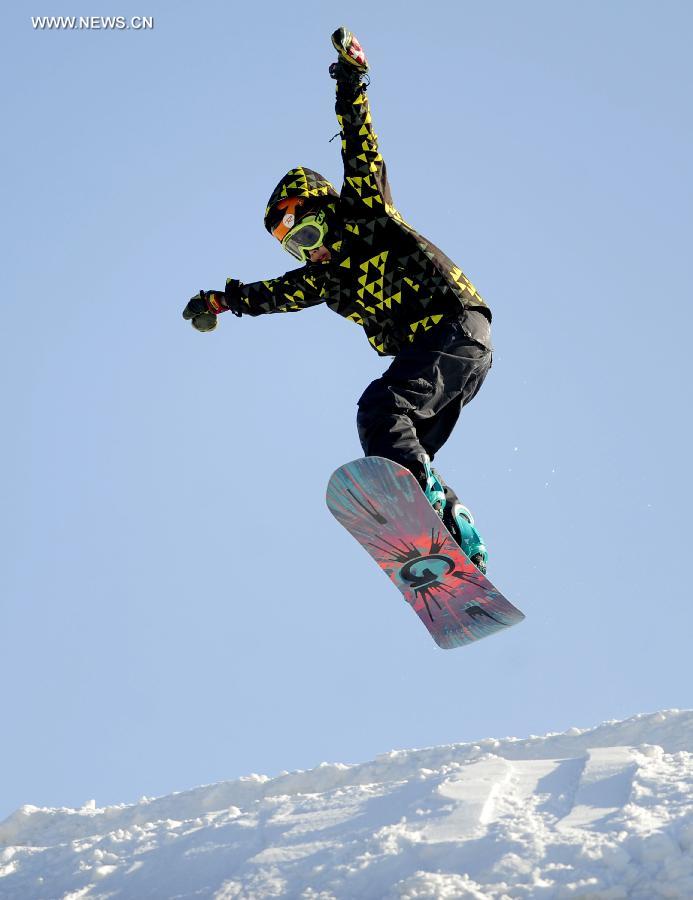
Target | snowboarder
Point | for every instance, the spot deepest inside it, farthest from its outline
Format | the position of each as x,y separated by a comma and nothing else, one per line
366,263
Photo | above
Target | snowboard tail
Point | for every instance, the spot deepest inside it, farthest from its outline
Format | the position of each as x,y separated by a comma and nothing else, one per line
382,505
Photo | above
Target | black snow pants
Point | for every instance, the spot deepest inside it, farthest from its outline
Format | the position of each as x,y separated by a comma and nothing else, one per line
410,411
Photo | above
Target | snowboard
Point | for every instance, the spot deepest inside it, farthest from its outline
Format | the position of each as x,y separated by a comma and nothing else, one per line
382,505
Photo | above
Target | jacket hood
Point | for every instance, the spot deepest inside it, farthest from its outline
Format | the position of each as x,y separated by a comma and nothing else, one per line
300,182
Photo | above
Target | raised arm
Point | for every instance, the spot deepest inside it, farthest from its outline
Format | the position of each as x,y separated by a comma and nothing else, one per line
365,176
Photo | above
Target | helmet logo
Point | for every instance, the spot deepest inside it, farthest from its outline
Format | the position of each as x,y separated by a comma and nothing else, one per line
289,220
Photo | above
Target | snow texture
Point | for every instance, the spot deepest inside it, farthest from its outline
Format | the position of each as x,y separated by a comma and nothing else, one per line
602,813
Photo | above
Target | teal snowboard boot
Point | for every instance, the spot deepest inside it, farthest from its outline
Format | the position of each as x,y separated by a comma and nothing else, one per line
434,490
456,517
460,523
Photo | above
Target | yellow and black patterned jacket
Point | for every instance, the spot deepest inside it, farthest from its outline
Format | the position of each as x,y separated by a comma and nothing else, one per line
382,274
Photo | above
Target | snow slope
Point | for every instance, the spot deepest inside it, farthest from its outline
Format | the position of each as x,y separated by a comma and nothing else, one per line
603,813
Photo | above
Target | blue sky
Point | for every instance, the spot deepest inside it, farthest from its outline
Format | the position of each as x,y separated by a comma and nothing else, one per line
177,605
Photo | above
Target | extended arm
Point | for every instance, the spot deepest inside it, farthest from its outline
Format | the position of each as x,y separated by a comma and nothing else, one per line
290,292
365,176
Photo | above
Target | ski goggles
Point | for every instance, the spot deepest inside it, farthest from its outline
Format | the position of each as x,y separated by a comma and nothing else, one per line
308,234
299,234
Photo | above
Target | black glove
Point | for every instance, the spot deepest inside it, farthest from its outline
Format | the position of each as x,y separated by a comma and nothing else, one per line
203,310
341,71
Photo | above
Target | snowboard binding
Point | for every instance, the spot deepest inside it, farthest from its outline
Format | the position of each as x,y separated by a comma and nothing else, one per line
434,489
456,517
460,523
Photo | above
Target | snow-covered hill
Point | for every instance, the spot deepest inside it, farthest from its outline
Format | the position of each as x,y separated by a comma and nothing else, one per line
604,813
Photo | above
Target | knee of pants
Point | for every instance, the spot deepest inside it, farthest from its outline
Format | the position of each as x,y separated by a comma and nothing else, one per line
380,432
381,425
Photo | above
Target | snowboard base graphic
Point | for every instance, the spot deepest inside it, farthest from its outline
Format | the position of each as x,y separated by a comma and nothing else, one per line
381,504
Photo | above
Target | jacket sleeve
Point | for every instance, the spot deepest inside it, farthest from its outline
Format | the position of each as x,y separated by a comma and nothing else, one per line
290,292
365,189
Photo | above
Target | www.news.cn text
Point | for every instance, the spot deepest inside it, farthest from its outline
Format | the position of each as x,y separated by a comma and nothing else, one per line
92,23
